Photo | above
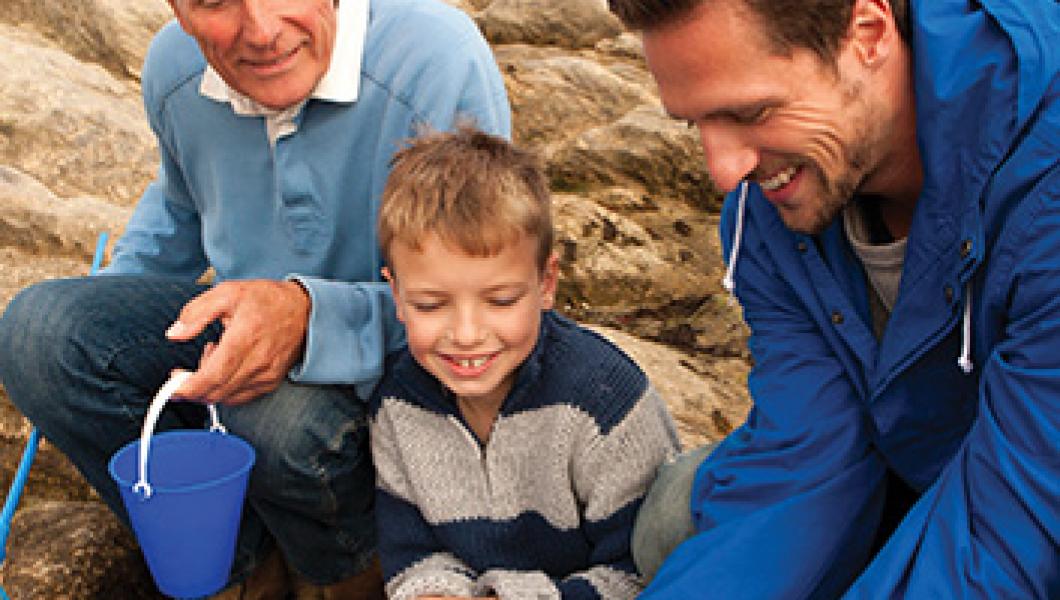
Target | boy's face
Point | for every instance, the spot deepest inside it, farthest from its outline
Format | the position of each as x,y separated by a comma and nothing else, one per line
471,321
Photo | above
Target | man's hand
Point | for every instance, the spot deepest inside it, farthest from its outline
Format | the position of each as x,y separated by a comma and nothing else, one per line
264,324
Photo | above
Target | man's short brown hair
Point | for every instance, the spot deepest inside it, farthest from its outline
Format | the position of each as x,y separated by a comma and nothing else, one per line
816,25
475,191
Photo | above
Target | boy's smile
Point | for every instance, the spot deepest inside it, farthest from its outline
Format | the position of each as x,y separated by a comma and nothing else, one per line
471,321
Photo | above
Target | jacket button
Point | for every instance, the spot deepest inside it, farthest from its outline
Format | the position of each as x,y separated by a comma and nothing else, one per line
949,294
837,317
801,246
966,248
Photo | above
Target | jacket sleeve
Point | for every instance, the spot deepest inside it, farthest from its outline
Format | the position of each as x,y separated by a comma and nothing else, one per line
788,504
990,525
414,562
453,84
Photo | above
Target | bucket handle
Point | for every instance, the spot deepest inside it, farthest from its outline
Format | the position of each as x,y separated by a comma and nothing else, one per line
153,413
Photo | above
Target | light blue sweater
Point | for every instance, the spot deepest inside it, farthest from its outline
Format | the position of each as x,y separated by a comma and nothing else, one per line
306,208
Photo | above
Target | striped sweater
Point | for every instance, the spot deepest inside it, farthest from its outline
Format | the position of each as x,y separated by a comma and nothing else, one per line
545,508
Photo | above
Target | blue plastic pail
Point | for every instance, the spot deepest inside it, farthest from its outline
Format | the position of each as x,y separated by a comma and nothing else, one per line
187,517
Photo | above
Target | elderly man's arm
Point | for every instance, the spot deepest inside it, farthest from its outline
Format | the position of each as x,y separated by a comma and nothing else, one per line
352,325
325,331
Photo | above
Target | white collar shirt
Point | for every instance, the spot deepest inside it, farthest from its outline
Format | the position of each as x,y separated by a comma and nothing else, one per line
340,83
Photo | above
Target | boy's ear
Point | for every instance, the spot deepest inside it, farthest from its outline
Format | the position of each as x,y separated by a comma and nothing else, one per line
549,281
398,306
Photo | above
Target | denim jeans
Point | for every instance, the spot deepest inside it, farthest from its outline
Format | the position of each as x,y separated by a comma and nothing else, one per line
82,358
664,520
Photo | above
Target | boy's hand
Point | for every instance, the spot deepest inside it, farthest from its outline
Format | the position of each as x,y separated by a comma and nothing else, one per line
264,324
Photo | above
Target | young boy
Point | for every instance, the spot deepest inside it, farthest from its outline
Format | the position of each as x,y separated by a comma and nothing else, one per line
512,446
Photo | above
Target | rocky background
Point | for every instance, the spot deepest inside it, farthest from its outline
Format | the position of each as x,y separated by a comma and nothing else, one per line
636,215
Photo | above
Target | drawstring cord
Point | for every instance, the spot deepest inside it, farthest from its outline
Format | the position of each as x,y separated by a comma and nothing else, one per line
964,361
729,281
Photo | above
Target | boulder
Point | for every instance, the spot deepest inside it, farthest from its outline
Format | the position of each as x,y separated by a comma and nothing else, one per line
71,124
111,33
557,96
642,149
36,220
68,550
570,24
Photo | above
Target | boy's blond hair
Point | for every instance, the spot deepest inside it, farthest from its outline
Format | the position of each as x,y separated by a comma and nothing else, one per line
475,191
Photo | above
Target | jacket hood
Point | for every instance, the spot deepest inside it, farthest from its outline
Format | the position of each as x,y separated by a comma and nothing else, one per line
1008,77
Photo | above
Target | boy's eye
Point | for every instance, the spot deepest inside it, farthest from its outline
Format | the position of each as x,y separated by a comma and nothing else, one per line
504,301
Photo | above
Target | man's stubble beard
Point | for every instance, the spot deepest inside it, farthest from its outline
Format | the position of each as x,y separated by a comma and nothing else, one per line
857,154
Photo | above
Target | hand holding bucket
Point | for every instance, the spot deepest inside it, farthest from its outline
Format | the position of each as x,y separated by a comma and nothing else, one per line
183,491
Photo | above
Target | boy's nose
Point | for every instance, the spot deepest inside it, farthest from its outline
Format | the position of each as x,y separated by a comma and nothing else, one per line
466,331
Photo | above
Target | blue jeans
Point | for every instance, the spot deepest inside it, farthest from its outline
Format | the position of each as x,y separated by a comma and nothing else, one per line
664,520
82,358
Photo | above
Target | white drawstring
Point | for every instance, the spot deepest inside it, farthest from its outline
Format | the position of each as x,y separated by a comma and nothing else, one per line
964,361
729,281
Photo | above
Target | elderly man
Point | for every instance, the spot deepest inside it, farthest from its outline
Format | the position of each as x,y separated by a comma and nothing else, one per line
275,121
893,235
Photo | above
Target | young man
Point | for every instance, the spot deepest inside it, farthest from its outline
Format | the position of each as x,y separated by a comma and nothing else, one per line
893,235
512,446
275,123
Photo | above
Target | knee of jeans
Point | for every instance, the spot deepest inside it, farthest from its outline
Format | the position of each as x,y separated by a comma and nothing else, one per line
35,328
319,447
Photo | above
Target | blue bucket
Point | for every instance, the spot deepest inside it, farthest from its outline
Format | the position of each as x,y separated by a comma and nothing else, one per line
185,504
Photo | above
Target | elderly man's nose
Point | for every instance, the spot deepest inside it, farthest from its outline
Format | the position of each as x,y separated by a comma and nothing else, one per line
261,24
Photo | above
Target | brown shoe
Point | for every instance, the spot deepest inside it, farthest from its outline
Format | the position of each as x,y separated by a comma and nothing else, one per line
366,585
268,582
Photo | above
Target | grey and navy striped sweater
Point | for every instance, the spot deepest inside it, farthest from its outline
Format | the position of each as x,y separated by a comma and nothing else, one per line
545,508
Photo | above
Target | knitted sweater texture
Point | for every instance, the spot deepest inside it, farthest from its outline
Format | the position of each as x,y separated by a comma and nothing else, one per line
545,508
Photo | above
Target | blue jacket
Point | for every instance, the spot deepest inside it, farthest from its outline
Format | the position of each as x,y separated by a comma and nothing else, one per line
306,208
788,505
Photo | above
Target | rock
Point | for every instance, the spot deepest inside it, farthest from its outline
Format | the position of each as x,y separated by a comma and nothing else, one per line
612,260
703,411
37,220
643,149
626,45
556,96
71,124
111,33
568,24
66,550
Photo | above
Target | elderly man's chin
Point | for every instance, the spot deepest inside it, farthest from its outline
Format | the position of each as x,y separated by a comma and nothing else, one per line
275,86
